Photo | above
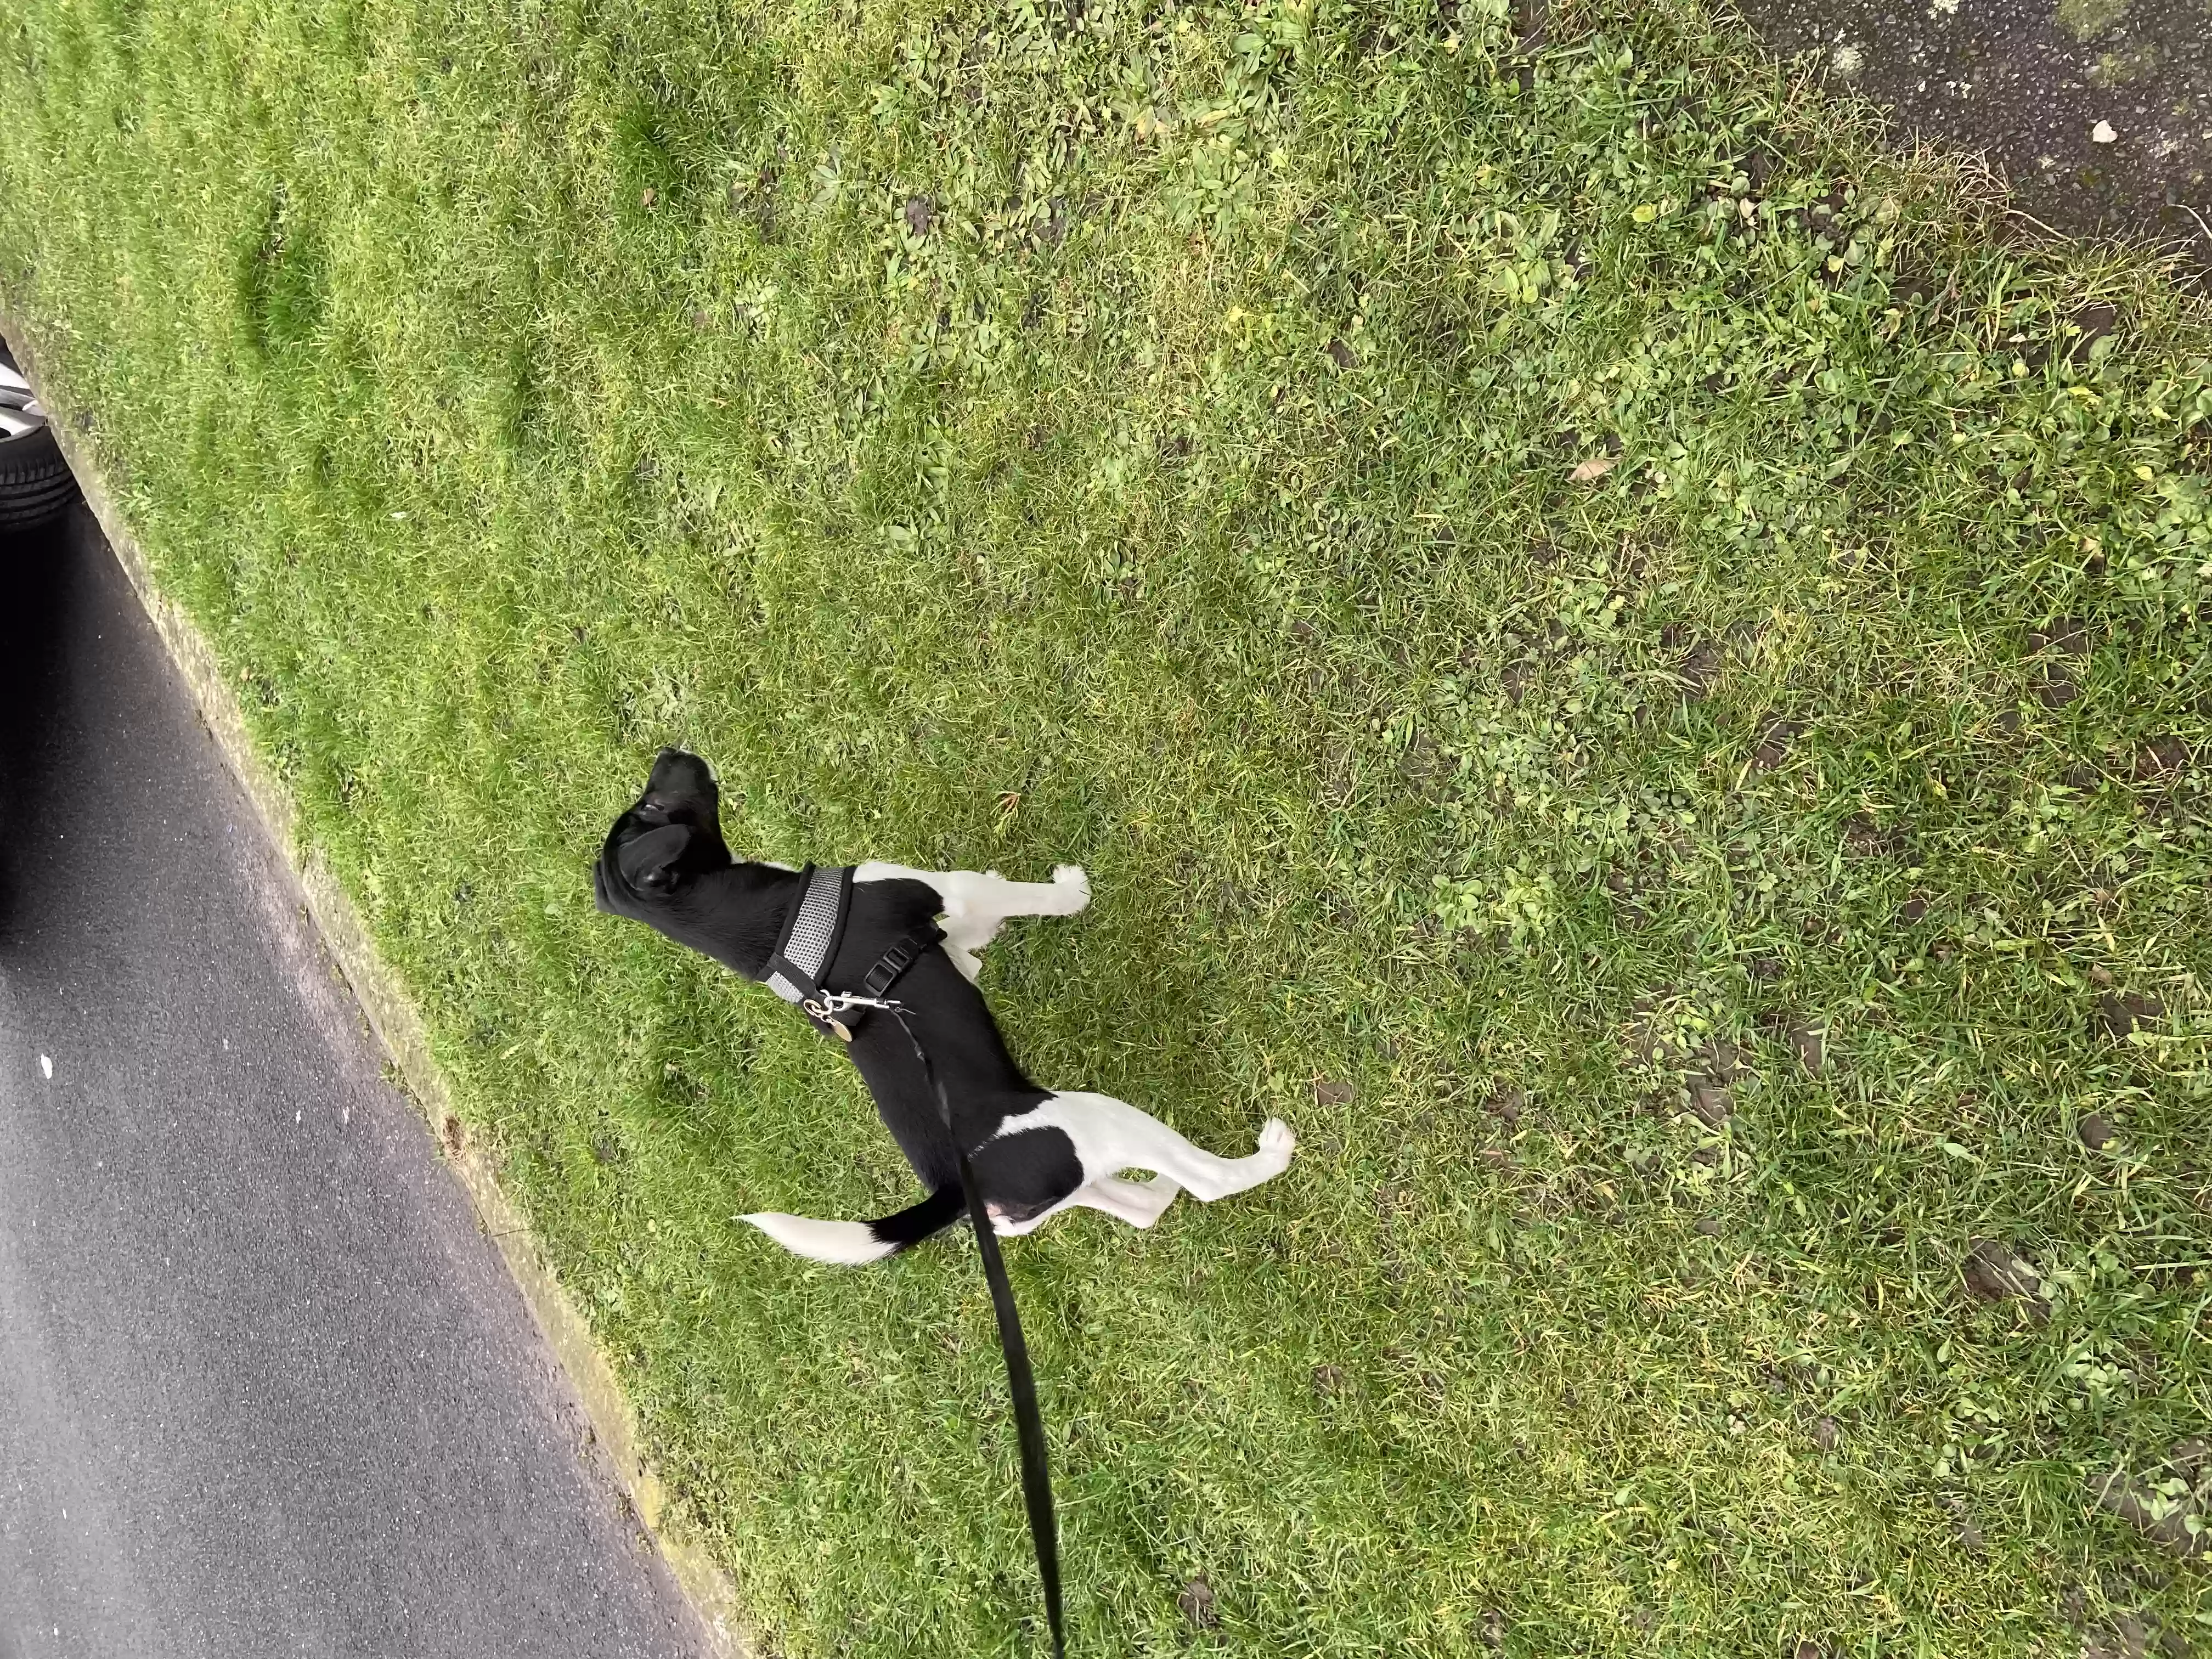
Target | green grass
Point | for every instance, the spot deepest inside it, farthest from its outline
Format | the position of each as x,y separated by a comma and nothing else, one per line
1147,440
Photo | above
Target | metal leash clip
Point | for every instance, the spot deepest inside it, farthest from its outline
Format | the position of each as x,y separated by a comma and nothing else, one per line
817,1009
831,1004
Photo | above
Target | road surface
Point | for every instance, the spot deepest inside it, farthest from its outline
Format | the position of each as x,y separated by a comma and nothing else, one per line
2098,113
265,1388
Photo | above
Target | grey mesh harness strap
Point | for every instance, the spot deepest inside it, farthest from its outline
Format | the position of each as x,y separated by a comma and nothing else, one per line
811,938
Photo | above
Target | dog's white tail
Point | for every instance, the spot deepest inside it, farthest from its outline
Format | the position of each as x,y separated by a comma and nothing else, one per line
848,1243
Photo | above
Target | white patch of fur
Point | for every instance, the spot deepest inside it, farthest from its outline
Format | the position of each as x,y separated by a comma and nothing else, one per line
846,1244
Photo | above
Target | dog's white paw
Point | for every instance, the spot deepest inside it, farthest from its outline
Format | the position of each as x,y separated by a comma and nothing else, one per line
1277,1140
1071,875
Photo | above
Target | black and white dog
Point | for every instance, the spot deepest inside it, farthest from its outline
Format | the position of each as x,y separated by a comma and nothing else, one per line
1035,1152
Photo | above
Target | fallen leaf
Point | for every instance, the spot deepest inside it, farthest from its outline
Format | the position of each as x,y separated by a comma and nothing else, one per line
1596,467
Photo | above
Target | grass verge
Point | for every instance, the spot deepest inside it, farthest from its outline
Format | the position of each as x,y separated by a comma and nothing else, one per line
1628,664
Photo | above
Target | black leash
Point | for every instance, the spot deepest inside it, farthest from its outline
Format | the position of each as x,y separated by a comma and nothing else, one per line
794,972
1036,1467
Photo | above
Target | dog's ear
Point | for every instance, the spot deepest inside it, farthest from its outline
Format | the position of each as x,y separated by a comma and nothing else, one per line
648,864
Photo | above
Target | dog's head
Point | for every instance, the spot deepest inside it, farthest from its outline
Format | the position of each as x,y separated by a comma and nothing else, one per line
670,836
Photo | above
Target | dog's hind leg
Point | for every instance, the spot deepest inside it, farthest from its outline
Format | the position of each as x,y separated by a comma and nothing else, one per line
977,904
1140,1203
1111,1135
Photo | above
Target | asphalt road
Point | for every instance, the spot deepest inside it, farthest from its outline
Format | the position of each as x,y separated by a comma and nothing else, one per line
265,1388
2097,113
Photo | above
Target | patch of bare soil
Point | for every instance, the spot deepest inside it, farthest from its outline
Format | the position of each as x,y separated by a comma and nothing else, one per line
1993,1272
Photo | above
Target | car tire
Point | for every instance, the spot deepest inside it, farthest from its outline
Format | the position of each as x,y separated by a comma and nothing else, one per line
35,484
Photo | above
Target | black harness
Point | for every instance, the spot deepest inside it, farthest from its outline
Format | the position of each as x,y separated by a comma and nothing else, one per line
794,973
809,944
